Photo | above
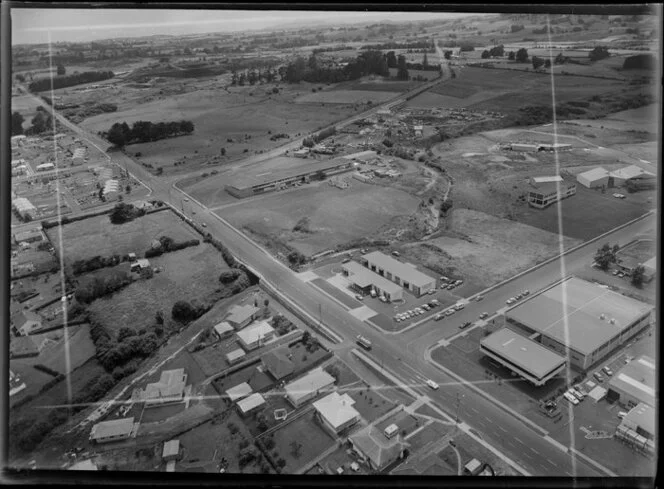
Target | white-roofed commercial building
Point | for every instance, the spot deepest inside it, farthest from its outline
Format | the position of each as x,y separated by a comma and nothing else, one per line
24,208
523,356
544,194
634,383
582,319
638,428
622,176
364,280
256,335
337,412
407,276
114,430
308,387
248,404
595,178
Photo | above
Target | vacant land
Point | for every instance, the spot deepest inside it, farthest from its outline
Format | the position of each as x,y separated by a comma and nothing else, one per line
97,236
25,105
77,350
309,447
346,97
235,118
336,216
189,274
369,403
504,90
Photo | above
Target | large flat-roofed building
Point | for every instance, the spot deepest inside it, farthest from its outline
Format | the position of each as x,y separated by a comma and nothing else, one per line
407,276
580,318
308,387
364,280
546,193
634,383
524,357
287,173
114,430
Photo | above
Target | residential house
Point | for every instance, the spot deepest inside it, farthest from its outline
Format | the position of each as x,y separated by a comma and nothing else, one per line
249,404
256,335
223,330
372,446
309,387
114,430
278,363
170,389
25,322
337,412
242,316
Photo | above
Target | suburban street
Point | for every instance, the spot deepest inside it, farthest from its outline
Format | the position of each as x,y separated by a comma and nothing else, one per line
404,354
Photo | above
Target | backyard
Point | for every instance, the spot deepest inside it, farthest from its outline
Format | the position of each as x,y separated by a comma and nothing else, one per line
369,403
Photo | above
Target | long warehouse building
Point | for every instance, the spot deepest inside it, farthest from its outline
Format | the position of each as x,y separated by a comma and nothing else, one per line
403,274
581,319
249,184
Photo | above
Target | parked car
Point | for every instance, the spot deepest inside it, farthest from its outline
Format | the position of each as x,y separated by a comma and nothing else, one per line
458,282
622,414
576,394
451,286
598,377
443,286
458,307
396,253
607,371
484,315
615,272
436,302
444,279
479,298
186,200
432,384
425,307
619,196
203,224
510,301
621,274
449,312
383,298
439,316
345,260
359,297
518,297
571,398
397,319
431,292
465,325
363,251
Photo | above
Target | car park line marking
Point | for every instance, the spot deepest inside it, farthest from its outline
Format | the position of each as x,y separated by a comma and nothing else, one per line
535,451
502,429
517,439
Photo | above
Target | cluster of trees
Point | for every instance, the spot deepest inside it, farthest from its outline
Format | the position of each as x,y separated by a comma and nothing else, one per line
311,141
254,76
17,123
606,255
96,262
598,53
26,435
637,62
69,80
168,245
236,279
120,134
310,342
123,212
521,56
41,122
494,52
295,259
225,252
282,325
539,62
330,49
100,286
516,28
116,353
184,312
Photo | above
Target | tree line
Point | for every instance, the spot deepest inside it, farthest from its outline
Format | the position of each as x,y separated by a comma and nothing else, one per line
120,134
69,80
422,44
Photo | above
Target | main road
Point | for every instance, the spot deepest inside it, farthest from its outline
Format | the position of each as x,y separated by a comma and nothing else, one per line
404,354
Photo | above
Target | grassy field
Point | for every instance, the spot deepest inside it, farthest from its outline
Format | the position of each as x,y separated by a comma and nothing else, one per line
345,97
26,106
189,274
312,445
97,236
503,90
336,216
80,350
369,403
218,115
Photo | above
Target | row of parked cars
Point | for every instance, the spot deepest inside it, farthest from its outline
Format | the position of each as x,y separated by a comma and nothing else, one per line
418,311
449,312
517,297
449,283
576,394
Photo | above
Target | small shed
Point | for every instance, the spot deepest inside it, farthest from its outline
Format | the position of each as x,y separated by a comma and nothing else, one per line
473,467
171,450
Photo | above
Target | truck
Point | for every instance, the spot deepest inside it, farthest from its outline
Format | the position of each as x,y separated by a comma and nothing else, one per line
363,342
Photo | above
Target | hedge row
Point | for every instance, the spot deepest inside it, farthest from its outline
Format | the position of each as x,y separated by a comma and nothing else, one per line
48,370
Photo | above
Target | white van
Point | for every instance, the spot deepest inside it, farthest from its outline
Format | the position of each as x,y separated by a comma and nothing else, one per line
571,398
373,293
391,430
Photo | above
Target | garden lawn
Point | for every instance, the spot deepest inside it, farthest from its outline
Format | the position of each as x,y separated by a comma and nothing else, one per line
370,404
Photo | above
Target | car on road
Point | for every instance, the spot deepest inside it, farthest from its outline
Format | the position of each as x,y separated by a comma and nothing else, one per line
363,342
598,377
449,312
510,301
465,325
484,315
432,384
525,292
359,297
607,371
479,298
439,316
203,224
458,307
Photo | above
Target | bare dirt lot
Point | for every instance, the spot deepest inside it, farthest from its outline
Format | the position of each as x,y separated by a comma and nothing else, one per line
487,249
336,215
97,236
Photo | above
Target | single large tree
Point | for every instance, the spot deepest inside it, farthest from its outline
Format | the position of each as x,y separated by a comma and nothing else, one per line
638,276
605,256
537,62
61,70
522,55
402,70
17,123
600,52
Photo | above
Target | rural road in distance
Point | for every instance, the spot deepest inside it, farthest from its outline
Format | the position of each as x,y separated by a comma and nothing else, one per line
498,427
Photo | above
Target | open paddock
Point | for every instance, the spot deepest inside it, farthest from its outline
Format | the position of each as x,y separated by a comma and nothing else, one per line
191,274
94,236
345,97
336,216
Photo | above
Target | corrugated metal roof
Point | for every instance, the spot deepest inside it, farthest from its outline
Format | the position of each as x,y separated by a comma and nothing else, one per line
363,277
337,409
313,381
255,332
239,391
251,402
642,416
116,427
